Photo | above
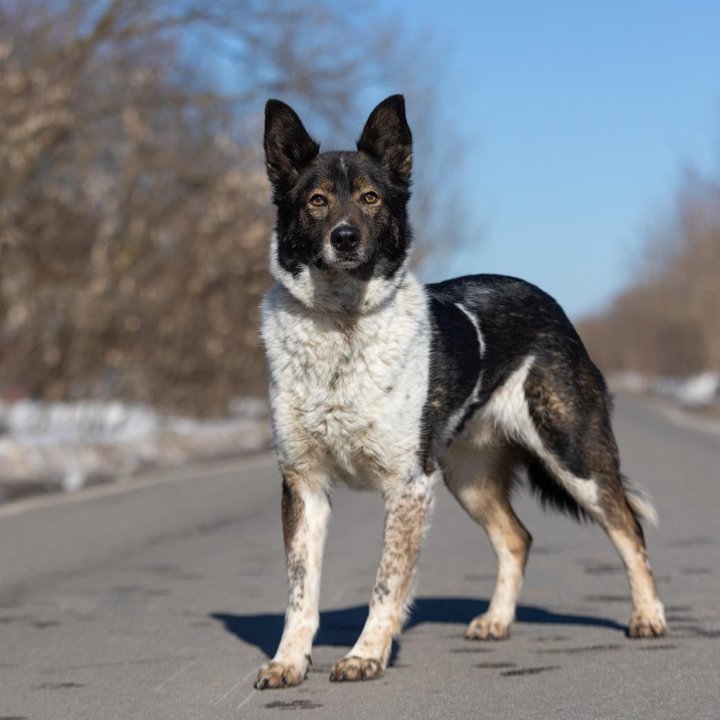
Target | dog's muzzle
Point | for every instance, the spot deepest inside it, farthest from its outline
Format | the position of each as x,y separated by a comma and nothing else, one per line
345,239
344,248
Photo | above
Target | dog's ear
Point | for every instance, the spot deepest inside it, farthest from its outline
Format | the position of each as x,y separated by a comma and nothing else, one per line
288,147
387,137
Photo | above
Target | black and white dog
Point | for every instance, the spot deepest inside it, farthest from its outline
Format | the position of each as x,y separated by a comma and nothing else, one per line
384,383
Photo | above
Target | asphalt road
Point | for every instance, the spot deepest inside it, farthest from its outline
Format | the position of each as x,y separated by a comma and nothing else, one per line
161,600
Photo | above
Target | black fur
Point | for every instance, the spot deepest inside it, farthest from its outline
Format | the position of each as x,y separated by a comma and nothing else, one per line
518,319
288,147
387,138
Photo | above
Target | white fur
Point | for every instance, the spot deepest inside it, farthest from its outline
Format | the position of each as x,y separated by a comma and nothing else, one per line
456,418
642,586
303,616
385,619
347,391
507,413
509,583
476,325
640,502
333,292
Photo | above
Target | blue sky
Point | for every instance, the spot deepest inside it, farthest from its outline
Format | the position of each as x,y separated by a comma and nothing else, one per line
580,117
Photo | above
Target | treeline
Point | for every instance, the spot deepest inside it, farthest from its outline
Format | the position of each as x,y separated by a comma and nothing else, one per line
134,210
668,321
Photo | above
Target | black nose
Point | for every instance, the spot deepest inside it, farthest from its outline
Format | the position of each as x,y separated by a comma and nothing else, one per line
345,238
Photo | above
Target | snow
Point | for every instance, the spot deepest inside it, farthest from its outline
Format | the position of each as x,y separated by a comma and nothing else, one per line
64,445
696,391
69,445
699,390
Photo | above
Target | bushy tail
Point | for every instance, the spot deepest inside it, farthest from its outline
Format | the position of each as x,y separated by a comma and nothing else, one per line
552,492
640,502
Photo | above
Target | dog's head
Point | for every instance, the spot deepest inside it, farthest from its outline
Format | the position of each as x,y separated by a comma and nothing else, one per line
342,235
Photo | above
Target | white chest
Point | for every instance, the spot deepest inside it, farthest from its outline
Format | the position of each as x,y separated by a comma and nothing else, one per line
347,398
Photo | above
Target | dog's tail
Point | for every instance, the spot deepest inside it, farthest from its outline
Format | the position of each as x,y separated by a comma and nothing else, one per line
640,502
552,493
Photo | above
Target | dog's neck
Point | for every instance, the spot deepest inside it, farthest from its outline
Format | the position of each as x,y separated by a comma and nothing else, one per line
338,292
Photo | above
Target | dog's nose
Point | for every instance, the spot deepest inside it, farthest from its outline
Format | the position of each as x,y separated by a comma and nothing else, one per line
345,238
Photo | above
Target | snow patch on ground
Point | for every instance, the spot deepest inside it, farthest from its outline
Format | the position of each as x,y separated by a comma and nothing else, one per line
696,391
699,390
46,446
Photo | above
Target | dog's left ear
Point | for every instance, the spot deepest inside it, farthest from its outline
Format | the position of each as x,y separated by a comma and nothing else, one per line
387,137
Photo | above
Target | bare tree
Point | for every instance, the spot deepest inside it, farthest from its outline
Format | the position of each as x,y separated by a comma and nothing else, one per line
134,210
667,322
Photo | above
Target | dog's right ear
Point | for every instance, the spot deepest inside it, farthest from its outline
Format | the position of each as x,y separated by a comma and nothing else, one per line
288,147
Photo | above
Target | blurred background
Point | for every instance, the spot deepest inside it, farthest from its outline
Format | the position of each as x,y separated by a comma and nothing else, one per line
576,145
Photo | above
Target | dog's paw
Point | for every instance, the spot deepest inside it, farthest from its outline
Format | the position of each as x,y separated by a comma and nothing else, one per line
356,668
279,675
487,627
647,624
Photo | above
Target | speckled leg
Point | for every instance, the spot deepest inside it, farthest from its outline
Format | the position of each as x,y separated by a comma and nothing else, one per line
648,615
407,511
305,511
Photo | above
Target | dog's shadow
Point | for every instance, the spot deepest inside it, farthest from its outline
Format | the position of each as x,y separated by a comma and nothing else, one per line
342,627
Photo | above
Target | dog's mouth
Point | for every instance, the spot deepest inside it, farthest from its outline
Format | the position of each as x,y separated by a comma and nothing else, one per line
345,264
348,266
334,259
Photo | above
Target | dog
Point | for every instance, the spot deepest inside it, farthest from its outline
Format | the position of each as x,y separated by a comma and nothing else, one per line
385,384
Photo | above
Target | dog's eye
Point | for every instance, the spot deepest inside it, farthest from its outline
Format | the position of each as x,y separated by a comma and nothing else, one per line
318,200
370,197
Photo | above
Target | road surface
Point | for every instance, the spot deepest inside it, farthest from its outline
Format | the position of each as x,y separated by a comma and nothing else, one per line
161,599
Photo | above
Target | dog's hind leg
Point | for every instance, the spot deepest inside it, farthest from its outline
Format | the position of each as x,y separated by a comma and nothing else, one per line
481,481
625,532
576,467
305,513
407,511
605,500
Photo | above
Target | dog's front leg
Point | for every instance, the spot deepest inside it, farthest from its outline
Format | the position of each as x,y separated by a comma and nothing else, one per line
407,511
305,513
